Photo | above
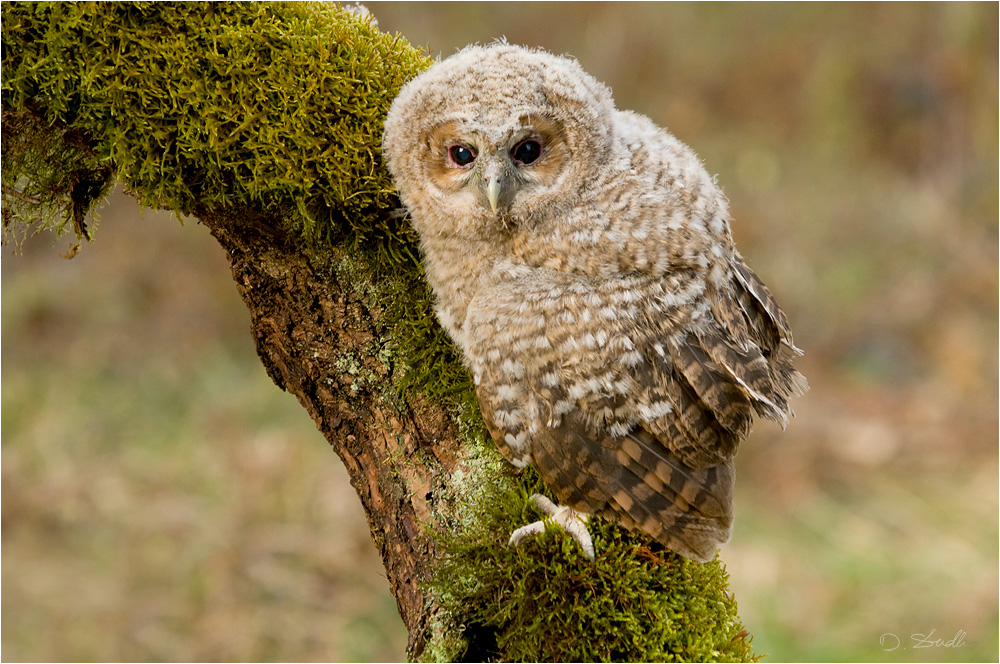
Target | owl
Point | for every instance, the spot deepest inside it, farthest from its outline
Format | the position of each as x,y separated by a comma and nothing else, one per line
581,258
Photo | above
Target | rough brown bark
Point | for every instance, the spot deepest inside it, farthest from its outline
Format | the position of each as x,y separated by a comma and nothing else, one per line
305,320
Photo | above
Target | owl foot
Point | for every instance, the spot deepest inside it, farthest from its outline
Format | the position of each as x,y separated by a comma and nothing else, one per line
573,522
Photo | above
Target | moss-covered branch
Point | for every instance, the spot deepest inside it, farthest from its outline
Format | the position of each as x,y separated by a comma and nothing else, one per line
264,121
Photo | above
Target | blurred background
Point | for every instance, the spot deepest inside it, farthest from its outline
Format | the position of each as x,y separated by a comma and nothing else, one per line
163,500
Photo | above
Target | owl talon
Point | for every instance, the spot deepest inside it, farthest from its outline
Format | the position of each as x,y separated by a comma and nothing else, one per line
570,520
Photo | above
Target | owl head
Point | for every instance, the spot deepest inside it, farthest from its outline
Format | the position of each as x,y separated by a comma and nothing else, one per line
486,139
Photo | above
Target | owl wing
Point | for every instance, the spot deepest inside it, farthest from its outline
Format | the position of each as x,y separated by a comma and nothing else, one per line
722,373
692,395
672,475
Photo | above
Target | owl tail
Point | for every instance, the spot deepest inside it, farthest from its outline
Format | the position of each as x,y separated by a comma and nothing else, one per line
638,482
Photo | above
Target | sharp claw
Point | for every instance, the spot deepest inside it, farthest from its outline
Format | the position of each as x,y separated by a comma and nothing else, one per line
573,522
518,535
544,504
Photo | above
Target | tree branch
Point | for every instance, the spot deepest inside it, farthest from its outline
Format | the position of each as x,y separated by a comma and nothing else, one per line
265,120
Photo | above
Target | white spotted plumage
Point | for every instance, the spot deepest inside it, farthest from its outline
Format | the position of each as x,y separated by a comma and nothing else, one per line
582,260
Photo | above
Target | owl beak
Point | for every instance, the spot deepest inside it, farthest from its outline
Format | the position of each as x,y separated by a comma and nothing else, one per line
495,184
493,190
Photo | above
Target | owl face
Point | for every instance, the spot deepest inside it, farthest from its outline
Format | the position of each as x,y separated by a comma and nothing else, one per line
500,173
496,139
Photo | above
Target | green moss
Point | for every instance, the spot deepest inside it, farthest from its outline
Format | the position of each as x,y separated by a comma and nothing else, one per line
66,178
270,104
544,601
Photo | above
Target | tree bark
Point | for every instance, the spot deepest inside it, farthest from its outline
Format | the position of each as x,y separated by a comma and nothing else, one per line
305,319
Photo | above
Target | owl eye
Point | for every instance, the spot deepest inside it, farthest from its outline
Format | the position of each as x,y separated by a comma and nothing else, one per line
527,151
461,155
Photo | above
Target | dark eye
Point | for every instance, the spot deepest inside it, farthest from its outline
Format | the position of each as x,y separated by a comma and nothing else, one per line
527,151
461,155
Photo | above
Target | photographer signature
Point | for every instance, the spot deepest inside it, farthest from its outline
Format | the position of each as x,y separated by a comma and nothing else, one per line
890,641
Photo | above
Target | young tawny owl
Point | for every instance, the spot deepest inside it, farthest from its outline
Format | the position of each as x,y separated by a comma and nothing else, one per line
582,260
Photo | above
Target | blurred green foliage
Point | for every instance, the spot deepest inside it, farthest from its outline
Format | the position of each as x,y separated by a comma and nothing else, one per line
162,500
